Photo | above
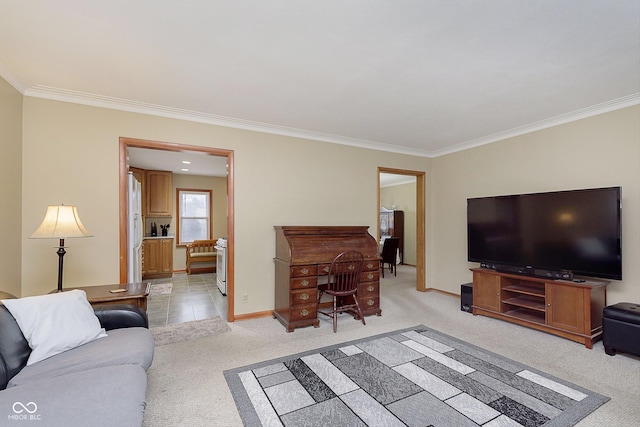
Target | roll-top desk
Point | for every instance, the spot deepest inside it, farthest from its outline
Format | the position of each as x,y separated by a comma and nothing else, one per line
303,256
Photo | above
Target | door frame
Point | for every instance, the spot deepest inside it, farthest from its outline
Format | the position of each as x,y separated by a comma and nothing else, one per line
170,146
421,277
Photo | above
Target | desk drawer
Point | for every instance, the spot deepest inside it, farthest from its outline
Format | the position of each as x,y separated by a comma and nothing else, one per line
304,271
304,296
368,290
323,269
304,283
369,304
370,265
367,266
370,276
303,312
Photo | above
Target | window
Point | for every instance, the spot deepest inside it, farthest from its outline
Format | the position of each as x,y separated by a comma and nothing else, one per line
194,215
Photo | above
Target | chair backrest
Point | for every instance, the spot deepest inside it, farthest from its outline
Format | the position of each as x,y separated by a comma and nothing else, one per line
202,246
344,273
390,249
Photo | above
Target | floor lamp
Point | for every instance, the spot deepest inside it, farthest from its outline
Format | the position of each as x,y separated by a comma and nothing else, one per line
61,222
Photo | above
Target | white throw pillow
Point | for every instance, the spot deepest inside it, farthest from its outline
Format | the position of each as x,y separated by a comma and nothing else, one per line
55,323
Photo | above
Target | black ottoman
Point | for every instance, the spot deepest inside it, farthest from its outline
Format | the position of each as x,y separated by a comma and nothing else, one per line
621,328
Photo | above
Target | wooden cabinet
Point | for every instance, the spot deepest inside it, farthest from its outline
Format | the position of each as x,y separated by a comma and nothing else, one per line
157,258
158,193
568,309
488,291
369,288
565,307
303,257
133,294
392,225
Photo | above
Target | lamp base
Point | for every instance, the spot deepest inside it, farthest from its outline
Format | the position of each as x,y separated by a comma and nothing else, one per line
61,253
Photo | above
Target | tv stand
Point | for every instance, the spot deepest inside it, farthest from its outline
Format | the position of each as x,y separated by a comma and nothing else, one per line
570,309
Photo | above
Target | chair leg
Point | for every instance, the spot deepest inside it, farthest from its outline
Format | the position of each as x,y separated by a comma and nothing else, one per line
335,314
359,311
395,269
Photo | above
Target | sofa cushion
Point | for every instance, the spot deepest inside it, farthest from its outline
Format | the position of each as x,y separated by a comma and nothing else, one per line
202,254
120,347
14,349
113,396
55,323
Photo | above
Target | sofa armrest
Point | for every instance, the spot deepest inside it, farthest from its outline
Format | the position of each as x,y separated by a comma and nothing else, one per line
116,316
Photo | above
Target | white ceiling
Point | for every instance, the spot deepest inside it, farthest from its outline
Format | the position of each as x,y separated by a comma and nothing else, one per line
390,179
198,163
423,77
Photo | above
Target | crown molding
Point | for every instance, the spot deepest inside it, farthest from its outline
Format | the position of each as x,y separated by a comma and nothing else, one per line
594,110
57,94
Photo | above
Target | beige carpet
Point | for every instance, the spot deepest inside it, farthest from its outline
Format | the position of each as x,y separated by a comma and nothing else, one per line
178,332
186,385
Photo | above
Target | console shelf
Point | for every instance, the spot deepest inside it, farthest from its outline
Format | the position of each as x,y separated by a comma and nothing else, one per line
568,309
526,315
525,290
524,302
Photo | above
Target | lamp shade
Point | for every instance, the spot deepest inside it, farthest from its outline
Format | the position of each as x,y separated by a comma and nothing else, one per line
61,222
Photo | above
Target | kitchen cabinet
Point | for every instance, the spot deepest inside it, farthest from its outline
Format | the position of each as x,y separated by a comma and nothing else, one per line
158,193
157,258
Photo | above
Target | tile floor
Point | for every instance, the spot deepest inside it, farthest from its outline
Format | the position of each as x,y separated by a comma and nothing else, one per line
196,297
193,297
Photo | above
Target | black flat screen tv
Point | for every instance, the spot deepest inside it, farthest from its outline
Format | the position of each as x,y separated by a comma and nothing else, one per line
577,231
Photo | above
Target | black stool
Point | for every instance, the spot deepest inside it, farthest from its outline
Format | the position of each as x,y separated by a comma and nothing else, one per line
621,328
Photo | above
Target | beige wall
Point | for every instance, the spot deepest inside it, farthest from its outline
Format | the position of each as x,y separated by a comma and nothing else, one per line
71,156
600,151
10,188
404,198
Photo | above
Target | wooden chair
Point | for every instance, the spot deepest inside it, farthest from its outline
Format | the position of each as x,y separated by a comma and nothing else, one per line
389,254
342,284
200,251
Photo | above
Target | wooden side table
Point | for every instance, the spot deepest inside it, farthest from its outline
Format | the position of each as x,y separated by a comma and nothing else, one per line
135,294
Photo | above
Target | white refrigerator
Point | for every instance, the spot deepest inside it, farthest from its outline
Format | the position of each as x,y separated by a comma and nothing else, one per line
134,230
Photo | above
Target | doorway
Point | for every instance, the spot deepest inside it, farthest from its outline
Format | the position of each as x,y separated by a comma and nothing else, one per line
421,284
126,143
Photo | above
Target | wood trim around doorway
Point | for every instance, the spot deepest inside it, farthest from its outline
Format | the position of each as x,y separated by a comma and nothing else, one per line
421,277
169,146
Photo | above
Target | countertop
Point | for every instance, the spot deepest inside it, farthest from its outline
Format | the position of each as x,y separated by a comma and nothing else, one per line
170,236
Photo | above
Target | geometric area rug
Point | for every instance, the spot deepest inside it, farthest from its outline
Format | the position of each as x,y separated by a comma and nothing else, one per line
411,377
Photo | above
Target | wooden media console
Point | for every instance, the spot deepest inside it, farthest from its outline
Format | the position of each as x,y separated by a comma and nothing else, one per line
570,309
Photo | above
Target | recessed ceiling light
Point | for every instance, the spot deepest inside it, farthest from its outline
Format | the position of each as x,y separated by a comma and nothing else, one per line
184,170
186,162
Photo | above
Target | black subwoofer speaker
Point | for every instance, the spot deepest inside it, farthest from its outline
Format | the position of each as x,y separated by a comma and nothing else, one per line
466,297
